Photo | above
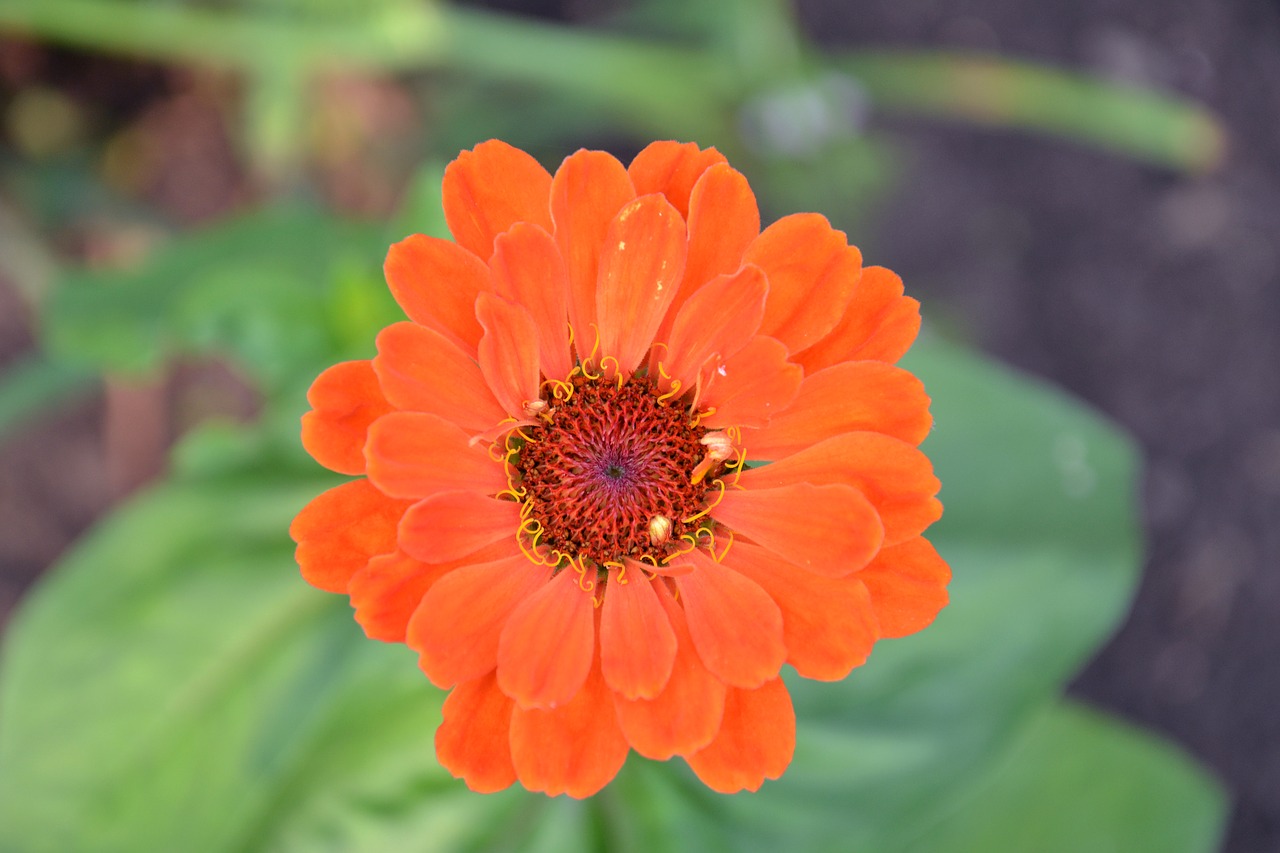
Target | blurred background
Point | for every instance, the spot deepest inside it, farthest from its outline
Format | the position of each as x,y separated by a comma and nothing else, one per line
1087,190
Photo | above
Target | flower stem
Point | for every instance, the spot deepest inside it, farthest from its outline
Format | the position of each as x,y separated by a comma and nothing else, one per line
1008,93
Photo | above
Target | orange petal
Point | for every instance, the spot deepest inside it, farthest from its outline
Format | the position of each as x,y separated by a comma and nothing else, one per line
756,740
723,220
421,370
547,646
640,265
828,624
449,525
637,644
847,397
831,529
436,283
896,477
488,189
589,189
386,592
528,270
685,716
508,352
812,272
673,169
341,529
344,400
717,320
908,586
456,628
414,455
576,749
752,386
736,627
878,323
474,742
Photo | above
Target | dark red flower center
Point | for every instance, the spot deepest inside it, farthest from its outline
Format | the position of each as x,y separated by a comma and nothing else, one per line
608,473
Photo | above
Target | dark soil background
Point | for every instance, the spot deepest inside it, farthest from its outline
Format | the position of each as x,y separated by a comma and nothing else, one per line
1154,296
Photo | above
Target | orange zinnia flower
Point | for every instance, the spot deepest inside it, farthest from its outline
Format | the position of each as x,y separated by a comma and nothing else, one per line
564,508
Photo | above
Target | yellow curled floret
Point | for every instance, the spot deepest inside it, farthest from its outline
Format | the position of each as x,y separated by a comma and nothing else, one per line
621,577
674,392
719,497
699,415
693,546
719,558
580,567
531,527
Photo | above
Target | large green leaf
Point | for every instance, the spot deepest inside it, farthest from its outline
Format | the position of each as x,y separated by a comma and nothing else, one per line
1080,781
174,685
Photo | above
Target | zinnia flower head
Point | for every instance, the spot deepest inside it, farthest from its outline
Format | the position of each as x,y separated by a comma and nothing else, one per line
563,503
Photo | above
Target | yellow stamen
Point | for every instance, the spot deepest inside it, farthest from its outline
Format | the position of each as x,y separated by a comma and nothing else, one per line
622,570
693,546
516,493
590,359
531,551
561,389
675,390
580,568
719,497
736,466
617,366
698,416
719,558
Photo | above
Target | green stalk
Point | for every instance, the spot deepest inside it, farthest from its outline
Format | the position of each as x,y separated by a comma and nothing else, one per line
389,36
1008,93
663,87
652,85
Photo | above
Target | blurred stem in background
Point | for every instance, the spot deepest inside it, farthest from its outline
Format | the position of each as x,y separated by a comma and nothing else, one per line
646,84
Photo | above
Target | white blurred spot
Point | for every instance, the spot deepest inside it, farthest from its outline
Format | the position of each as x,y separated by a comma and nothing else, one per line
801,118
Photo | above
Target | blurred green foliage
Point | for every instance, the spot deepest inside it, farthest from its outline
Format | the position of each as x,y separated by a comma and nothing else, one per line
173,685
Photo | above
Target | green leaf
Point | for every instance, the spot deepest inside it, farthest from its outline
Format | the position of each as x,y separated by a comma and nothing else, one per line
176,686
1081,781
282,292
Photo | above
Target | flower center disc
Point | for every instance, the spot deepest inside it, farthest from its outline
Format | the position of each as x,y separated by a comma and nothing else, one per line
607,464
